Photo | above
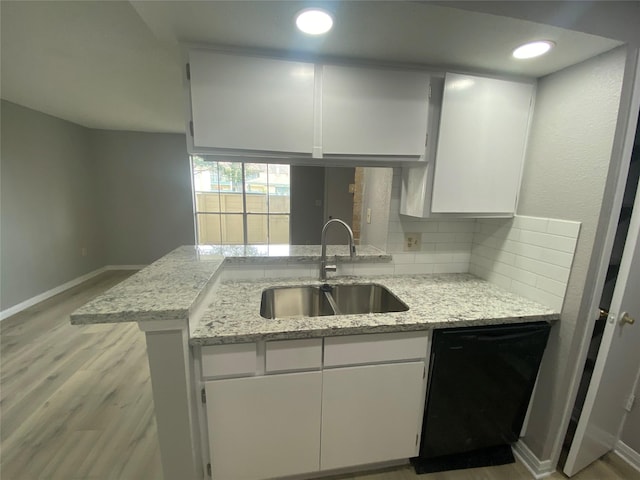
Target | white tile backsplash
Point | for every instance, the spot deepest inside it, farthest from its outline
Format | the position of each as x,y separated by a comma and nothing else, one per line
445,244
529,256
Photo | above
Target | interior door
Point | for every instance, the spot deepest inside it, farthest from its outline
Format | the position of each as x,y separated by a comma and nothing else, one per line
617,364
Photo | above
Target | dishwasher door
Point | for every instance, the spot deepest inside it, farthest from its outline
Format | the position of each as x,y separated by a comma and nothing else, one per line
480,383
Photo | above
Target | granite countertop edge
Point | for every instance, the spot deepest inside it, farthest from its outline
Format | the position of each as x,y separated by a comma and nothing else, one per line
173,286
434,301
361,330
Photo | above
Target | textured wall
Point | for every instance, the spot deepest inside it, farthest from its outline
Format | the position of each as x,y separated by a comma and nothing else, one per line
376,196
566,167
49,204
146,201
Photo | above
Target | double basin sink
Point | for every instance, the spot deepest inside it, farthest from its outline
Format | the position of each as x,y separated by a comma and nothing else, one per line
322,300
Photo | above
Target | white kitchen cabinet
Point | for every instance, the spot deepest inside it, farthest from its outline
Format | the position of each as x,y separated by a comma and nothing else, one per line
271,108
374,112
264,427
482,137
244,103
371,414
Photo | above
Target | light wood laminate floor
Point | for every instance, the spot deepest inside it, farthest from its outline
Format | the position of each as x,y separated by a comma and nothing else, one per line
76,403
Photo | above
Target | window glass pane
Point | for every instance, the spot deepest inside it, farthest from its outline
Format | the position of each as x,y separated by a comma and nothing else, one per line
257,232
207,202
278,229
230,187
232,229
257,186
222,201
205,184
230,176
279,188
208,229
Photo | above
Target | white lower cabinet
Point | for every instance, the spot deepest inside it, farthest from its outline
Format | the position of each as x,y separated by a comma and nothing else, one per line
264,427
361,404
371,414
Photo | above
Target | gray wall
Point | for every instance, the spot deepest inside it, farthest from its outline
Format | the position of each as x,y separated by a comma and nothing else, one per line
145,191
49,204
124,196
377,197
307,205
338,201
564,177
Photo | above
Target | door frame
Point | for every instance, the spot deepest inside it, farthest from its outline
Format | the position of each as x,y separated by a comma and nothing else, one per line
607,226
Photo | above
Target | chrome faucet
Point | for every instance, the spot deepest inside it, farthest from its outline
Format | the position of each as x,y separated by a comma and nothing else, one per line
324,268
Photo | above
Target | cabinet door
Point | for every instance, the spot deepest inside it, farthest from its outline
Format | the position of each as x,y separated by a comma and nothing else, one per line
264,427
371,414
251,103
481,143
374,112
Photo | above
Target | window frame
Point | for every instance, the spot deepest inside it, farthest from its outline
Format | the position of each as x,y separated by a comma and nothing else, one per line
245,214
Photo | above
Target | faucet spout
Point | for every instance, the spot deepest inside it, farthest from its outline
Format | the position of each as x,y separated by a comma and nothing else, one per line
324,268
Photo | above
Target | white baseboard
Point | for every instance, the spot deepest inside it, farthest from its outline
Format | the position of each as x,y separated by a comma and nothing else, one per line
538,468
61,288
628,454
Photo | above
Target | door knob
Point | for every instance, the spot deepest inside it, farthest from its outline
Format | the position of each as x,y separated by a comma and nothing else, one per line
626,318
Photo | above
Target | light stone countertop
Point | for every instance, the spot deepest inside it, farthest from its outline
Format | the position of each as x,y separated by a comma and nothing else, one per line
434,301
171,287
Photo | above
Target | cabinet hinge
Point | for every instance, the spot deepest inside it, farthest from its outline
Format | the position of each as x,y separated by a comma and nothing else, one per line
188,71
424,372
203,395
416,439
191,128
426,139
209,469
429,91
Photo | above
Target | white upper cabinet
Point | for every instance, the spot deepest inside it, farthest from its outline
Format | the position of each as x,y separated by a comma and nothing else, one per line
480,151
374,112
269,107
251,103
481,145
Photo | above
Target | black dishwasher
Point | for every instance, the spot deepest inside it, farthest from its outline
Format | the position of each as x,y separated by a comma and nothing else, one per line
480,383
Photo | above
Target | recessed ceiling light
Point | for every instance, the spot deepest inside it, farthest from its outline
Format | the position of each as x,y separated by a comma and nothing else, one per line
533,49
314,21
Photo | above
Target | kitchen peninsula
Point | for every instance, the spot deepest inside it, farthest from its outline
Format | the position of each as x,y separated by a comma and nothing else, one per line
194,307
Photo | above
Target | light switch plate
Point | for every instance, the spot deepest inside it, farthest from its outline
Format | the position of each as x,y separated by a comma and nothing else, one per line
412,242
368,215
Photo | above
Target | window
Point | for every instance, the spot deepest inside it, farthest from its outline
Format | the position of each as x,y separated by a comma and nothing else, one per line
241,203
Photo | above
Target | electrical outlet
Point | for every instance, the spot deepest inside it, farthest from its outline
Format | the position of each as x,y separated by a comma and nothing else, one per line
412,242
368,215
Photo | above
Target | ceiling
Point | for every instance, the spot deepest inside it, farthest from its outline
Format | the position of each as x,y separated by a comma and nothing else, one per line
118,65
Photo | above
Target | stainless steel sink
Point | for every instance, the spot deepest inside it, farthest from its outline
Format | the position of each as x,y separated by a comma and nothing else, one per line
316,301
305,301
366,298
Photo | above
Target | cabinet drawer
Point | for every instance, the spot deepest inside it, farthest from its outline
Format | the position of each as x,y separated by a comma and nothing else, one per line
379,347
235,359
294,355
